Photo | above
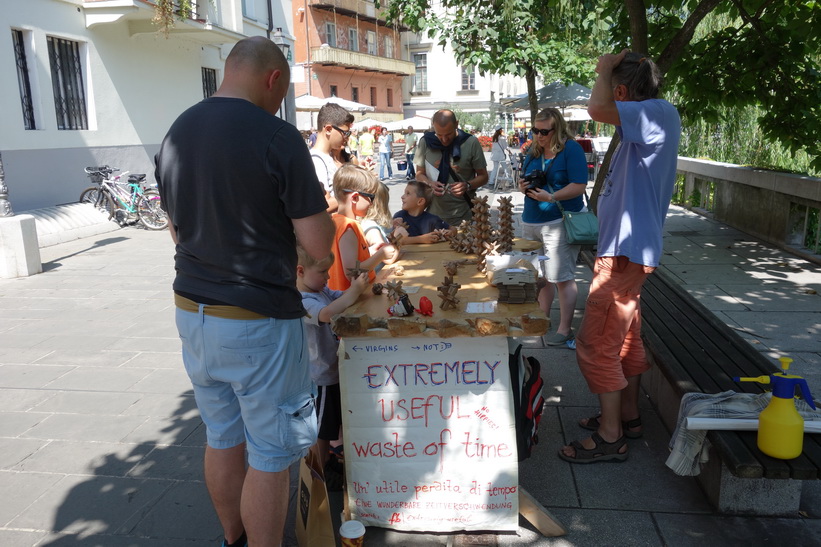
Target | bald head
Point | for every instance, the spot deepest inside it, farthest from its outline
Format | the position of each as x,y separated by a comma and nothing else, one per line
256,55
445,117
256,70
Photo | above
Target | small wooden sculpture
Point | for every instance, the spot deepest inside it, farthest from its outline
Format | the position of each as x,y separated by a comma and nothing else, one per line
504,235
395,290
356,271
377,288
447,292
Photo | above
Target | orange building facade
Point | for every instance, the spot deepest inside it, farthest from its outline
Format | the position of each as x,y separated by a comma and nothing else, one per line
346,49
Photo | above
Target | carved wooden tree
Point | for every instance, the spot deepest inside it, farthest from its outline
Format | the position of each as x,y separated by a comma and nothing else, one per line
504,235
481,230
447,292
395,290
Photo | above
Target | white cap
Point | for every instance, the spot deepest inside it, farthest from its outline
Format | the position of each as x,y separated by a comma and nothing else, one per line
498,127
352,529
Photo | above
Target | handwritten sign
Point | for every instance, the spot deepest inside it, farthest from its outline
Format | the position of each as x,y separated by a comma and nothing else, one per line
429,433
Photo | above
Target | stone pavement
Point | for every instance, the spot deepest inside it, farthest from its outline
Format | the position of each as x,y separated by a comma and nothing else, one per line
101,443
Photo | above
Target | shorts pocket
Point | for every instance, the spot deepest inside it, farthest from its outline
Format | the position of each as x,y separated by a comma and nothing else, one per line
299,422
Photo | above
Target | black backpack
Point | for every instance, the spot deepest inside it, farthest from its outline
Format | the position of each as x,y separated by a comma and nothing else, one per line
528,400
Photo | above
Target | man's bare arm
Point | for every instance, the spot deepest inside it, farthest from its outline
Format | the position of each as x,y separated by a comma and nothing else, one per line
315,234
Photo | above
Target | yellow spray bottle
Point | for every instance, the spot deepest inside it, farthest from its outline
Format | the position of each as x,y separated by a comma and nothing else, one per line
780,426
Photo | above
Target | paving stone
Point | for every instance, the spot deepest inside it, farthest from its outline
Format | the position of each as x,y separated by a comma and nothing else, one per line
165,430
184,511
99,378
155,359
103,358
14,424
27,487
13,451
181,405
85,428
84,458
83,402
182,463
30,376
21,399
167,380
91,505
695,530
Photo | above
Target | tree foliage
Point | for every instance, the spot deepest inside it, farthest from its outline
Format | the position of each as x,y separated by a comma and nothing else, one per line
555,39
764,54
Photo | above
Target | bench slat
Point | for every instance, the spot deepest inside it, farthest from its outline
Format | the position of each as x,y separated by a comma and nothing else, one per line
710,348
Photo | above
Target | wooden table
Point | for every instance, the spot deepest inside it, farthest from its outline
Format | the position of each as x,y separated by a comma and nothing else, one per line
423,273
429,424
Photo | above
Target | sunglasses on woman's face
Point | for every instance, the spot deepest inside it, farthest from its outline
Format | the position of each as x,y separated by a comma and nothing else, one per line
542,132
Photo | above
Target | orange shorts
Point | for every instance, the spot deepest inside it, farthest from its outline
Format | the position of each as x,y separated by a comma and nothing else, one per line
609,348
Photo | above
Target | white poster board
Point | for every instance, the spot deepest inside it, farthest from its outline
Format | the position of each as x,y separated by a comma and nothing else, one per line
429,433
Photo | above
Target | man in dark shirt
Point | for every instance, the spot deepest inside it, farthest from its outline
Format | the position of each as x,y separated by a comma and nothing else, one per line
240,190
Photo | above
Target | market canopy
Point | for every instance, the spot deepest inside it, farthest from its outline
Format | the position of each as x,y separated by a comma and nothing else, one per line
309,103
572,114
555,95
418,123
366,123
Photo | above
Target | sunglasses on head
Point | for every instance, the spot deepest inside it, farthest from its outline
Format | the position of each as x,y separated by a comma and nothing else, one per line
344,133
370,197
542,132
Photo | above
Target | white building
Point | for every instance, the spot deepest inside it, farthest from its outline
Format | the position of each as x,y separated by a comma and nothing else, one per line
94,82
441,82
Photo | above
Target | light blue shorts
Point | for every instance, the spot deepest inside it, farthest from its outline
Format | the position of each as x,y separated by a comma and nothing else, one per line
252,383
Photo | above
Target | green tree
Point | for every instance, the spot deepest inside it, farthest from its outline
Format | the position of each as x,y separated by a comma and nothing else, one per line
554,38
766,55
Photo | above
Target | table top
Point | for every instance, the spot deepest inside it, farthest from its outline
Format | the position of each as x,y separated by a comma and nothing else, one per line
519,245
423,273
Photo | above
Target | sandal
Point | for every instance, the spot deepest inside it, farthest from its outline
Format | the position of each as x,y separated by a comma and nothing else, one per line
593,425
602,452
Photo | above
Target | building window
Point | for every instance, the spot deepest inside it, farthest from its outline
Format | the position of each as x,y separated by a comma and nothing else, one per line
371,43
209,82
248,9
355,94
330,34
389,47
67,82
373,96
334,91
353,39
468,78
23,81
420,80
390,97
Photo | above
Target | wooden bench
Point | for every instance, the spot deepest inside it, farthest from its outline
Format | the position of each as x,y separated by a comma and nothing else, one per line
693,351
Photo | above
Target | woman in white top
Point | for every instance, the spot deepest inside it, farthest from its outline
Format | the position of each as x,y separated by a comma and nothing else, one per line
497,152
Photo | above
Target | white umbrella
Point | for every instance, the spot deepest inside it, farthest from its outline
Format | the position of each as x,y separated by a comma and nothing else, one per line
366,123
555,94
570,115
309,103
418,123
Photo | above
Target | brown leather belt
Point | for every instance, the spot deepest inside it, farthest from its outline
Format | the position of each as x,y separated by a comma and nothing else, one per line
225,312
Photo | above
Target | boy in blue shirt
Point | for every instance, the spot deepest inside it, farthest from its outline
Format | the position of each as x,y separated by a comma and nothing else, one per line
422,225
322,303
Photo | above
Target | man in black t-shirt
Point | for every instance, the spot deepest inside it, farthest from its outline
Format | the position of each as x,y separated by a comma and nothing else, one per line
240,190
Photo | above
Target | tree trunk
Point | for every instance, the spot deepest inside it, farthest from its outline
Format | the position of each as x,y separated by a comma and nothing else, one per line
532,99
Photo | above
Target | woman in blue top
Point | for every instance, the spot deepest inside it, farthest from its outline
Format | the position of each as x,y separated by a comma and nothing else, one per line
562,161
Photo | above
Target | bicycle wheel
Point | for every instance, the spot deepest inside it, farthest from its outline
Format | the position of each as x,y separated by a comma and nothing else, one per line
150,212
99,199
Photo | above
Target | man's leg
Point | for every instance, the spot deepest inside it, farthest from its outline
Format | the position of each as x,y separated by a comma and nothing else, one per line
264,506
224,476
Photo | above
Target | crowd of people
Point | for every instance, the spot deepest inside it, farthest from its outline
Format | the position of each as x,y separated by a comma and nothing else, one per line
269,248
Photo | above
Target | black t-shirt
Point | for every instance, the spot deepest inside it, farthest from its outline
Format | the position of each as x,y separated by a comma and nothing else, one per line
423,224
232,176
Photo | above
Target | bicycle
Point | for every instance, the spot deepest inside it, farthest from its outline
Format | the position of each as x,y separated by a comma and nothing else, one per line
124,201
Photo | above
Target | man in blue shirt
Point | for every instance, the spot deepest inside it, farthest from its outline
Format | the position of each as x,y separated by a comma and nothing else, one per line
631,209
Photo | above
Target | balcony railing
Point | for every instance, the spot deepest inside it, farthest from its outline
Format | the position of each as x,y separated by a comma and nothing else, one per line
332,56
365,10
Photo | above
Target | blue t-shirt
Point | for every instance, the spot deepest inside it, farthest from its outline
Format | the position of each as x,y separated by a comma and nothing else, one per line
569,166
322,343
423,224
636,194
